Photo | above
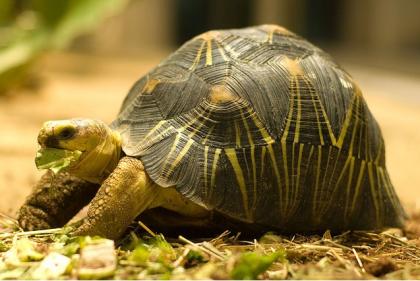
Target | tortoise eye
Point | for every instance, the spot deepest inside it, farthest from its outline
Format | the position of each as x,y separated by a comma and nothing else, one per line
66,133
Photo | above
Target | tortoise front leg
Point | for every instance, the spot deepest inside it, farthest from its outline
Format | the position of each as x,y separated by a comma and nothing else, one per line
126,193
55,200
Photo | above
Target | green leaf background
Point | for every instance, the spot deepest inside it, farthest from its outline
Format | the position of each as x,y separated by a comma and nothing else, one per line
30,28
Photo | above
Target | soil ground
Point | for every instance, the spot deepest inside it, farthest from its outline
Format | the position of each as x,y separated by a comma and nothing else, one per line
80,86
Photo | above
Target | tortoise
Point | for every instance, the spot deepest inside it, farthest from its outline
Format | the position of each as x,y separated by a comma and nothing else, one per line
254,126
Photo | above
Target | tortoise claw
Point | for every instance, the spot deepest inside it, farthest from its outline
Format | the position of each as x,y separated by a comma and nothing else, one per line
32,218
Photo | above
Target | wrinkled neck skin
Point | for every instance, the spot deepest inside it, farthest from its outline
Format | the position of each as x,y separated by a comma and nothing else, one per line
96,165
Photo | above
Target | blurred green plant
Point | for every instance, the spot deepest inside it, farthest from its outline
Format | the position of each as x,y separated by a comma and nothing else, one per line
28,28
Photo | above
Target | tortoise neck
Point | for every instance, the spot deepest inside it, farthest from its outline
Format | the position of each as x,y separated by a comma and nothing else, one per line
96,166
115,145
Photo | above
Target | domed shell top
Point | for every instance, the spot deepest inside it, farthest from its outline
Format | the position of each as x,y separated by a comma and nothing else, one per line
264,127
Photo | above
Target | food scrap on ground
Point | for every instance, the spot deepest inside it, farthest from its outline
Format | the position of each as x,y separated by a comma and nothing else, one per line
52,254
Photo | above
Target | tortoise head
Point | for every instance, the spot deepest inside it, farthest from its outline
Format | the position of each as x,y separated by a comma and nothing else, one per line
99,144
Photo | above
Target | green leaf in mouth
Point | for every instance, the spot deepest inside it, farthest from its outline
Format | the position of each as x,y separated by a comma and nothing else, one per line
55,159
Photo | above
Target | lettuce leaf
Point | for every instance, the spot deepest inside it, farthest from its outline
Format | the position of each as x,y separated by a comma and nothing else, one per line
55,159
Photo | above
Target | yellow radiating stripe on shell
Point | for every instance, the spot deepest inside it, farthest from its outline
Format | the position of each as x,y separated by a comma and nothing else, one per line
275,166
378,156
187,125
358,183
192,121
171,152
337,183
309,158
327,123
181,155
318,173
388,188
311,151
368,153
337,159
152,135
150,138
263,152
313,95
254,174
230,50
197,58
321,136
380,190
200,125
208,134
196,129
231,154
214,166
343,170
277,173
251,142
150,86
221,50
266,136
349,181
297,185
323,186
238,134
154,129
248,131
286,169
298,113
206,152
290,114
373,191
293,175
301,146
354,131
346,123
209,56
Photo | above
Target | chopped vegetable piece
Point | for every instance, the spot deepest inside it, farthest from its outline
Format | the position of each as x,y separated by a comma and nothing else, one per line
55,159
251,264
97,260
51,267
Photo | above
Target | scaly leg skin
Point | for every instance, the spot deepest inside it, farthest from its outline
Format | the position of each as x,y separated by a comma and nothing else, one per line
55,200
126,193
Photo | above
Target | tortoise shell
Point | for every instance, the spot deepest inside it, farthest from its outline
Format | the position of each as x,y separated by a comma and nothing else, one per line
262,126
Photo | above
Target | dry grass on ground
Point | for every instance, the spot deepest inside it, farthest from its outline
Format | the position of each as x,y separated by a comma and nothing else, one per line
51,254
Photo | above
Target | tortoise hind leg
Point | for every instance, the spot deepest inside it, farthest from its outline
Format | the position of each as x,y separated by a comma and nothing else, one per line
175,201
54,201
